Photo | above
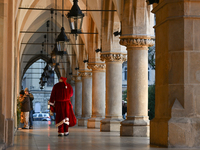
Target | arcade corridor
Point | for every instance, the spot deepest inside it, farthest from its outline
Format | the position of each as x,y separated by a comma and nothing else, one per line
44,137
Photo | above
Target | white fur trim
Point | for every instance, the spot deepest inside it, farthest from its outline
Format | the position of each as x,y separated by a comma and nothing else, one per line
66,133
60,133
66,87
52,104
66,121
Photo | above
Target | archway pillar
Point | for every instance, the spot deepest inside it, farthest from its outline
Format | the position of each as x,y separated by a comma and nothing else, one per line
86,97
113,91
98,94
78,96
137,122
177,103
72,83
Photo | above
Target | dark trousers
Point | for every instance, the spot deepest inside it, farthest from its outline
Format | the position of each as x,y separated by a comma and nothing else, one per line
31,118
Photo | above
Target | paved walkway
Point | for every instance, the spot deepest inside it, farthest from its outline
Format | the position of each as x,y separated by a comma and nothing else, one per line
44,137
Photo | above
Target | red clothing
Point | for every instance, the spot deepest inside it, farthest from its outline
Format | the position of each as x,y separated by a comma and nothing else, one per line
60,99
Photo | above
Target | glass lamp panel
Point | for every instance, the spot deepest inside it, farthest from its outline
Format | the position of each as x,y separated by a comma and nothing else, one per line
79,23
71,23
54,60
76,23
62,46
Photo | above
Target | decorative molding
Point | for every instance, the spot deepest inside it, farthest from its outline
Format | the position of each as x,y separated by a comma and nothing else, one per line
85,74
136,42
97,66
76,78
119,57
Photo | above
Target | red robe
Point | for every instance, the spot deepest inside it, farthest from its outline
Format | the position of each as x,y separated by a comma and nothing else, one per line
60,99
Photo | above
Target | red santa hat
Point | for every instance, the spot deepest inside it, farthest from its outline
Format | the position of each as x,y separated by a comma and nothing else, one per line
64,80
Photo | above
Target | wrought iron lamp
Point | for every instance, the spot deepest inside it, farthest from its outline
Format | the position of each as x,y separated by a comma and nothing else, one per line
53,55
116,33
75,18
149,2
62,39
85,61
98,50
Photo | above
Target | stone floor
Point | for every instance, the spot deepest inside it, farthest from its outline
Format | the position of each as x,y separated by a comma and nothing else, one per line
44,137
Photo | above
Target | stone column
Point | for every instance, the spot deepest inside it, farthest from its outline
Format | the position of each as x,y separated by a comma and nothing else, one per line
98,95
137,122
78,96
177,91
113,91
74,93
86,98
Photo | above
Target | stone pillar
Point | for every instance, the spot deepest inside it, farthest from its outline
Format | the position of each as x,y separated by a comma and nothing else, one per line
137,122
98,95
78,96
74,93
113,91
177,109
86,98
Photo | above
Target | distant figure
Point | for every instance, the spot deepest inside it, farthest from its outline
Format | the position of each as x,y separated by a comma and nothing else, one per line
25,108
60,104
124,109
31,107
21,94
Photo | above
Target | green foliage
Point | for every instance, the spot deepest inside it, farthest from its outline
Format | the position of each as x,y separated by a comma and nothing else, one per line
124,95
151,99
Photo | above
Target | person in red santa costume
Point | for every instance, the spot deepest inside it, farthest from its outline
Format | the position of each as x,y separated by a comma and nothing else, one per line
60,104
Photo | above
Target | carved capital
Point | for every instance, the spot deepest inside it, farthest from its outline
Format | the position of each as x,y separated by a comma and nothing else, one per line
76,78
97,66
85,74
137,42
114,57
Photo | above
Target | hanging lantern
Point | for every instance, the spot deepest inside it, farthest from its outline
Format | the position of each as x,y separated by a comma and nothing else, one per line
54,55
75,18
62,40
44,79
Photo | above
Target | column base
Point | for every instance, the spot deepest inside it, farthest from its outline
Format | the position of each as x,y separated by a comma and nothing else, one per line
94,123
109,125
2,130
10,132
184,132
82,122
135,128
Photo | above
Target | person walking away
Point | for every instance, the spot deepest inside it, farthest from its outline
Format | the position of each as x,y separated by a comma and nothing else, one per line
26,90
25,108
60,104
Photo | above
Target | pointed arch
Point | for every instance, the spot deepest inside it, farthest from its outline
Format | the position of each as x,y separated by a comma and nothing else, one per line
36,58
